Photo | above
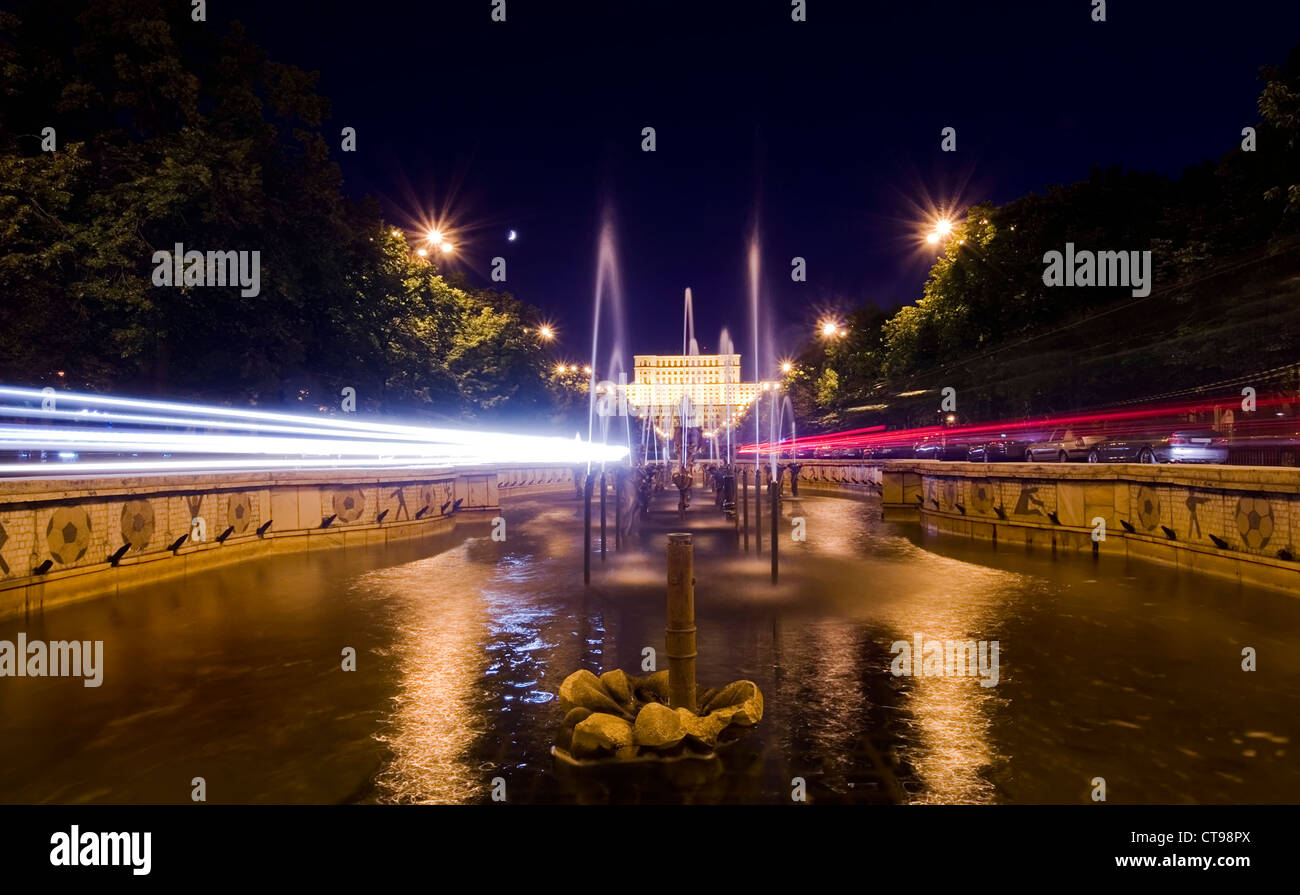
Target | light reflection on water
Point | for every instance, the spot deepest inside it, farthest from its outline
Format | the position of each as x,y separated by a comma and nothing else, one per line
438,636
1116,669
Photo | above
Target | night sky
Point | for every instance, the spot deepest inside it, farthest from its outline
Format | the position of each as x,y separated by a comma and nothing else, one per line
825,133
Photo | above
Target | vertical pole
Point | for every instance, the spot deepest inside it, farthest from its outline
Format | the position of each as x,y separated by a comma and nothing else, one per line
758,512
775,489
735,510
618,509
744,501
602,517
586,528
680,634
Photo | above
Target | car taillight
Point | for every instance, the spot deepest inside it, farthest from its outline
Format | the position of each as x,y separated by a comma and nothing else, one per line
1218,442
1177,439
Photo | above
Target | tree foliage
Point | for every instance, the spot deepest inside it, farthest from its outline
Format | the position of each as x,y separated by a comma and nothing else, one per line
170,132
986,322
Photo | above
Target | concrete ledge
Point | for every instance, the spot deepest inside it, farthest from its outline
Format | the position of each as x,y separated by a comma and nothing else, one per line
1239,523
63,539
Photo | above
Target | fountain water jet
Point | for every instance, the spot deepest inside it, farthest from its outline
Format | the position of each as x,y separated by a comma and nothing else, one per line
608,303
753,306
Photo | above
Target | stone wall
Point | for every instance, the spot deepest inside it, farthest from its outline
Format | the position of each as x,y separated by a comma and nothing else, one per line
67,538
1235,522
534,480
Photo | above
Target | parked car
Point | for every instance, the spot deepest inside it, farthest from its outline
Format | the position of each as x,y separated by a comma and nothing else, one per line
1000,449
1182,445
940,447
1062,446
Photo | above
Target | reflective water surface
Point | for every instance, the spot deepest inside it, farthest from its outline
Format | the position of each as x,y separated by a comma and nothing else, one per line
1109,669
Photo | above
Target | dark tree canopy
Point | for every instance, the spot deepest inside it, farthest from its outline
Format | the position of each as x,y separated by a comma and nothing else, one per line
1223,238
169,132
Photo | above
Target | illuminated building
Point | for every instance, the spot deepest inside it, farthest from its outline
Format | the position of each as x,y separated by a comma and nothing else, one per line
708,385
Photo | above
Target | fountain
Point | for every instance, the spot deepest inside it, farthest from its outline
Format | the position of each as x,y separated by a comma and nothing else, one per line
616,718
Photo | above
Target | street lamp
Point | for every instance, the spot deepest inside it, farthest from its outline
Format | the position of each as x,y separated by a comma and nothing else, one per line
830,328
943,227
546,332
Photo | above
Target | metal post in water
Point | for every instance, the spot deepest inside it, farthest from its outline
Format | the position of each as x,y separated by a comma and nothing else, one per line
602,517
586,528
618,509
729,508
744,502
679,636
775,489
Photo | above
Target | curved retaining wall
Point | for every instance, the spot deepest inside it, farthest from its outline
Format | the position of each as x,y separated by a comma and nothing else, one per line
68,538
533,480
1236,522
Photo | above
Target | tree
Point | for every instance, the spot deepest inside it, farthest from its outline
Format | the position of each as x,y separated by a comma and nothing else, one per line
169,134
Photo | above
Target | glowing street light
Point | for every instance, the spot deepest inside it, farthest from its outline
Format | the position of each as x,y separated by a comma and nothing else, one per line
786,367
546,331
830,328
943,228
446,248
422,252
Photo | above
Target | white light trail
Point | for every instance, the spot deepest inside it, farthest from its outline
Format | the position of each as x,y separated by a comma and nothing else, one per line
20,438
153,467
321,441
108,416
213,415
